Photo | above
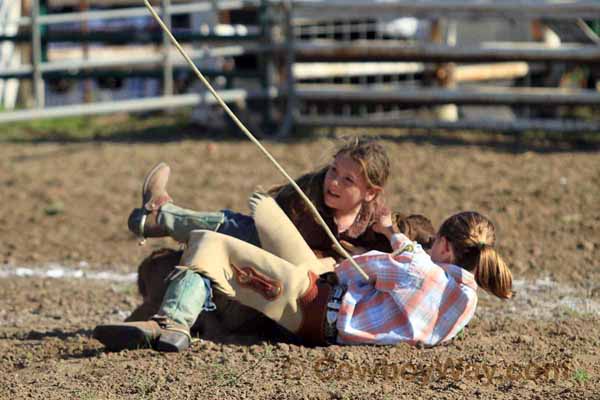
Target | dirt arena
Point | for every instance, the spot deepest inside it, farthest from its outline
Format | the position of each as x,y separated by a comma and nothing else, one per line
68,264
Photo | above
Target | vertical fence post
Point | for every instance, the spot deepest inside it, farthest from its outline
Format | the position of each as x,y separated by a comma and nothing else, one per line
292,100
168,59
265,63
444,31
36,48
88,84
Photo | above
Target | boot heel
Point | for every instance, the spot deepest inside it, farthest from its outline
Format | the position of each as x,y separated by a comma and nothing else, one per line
173,342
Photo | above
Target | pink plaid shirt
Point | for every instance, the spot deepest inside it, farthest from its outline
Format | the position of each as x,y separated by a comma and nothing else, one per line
408,299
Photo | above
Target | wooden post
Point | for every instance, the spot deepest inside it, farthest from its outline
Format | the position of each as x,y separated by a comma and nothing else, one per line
265,62
287,73
88,87
445,72
25,95
36,50
166,47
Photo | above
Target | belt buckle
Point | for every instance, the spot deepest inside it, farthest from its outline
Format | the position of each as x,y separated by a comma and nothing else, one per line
331,316
338,292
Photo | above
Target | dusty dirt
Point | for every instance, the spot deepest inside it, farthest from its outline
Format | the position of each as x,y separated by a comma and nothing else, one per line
67,204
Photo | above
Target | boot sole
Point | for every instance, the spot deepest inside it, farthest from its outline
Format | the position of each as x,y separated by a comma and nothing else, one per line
169,347
117,338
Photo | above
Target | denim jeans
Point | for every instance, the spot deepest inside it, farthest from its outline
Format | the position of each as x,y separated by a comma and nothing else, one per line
180,222
189,293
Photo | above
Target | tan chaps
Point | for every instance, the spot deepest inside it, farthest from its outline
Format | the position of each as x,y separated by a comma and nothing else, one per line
251,276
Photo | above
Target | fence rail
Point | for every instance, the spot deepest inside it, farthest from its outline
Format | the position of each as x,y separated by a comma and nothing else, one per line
385,51
505,61
247,40
366,68
336,9
132,12
514,126
73,66
134,105
432,96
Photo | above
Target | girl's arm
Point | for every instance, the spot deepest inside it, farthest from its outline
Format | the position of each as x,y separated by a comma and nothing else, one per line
385,226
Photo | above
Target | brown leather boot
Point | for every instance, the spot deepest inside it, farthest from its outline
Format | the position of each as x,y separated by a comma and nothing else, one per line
154,190
145,224
143,221
159,332
174,337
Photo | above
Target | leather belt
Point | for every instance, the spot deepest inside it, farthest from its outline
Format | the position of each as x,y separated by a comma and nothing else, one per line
334,302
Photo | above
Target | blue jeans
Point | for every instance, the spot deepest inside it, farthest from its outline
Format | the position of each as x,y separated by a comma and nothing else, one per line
180,222
187,295
190,293
239,226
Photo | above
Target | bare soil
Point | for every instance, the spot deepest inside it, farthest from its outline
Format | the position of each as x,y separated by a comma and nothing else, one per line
67,203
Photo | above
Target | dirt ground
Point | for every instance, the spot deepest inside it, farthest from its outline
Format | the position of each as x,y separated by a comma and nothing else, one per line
65,207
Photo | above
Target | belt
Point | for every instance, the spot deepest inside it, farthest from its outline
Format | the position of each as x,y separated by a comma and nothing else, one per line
334,302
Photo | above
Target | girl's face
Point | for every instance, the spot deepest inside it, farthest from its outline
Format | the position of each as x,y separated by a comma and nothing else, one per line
345,187
441,250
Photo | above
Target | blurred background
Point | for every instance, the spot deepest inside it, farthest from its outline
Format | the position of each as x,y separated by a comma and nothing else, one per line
492,65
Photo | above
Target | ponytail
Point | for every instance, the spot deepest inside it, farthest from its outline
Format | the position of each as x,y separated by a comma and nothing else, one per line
492,273
472,237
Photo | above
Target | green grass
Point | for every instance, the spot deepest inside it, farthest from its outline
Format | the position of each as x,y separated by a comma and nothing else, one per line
54,208
581,375
74,128
222,375
167,126
567,312
115,127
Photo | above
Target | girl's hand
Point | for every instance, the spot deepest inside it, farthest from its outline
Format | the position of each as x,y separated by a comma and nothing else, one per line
384,225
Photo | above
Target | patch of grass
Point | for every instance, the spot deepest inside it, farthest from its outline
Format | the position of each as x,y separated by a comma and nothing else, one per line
590,138
73,127
114,127
81,395
54,208
144,388
581,375
224,377
571,313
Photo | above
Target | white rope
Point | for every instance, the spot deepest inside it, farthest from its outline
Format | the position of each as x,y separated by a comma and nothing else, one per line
239,123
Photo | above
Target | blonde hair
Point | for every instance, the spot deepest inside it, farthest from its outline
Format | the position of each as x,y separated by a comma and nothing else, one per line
472,237
372,157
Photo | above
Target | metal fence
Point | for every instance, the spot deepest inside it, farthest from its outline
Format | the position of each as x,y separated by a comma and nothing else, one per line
217,42
430,79
353,63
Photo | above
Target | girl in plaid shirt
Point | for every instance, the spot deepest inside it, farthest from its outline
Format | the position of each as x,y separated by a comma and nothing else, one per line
411,296
415,296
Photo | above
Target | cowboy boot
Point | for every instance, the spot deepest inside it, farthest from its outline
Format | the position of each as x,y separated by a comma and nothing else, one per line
187,295
144,221
145,224
145,334
159,217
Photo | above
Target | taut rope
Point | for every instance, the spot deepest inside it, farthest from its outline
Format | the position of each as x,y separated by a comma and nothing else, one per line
250,136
